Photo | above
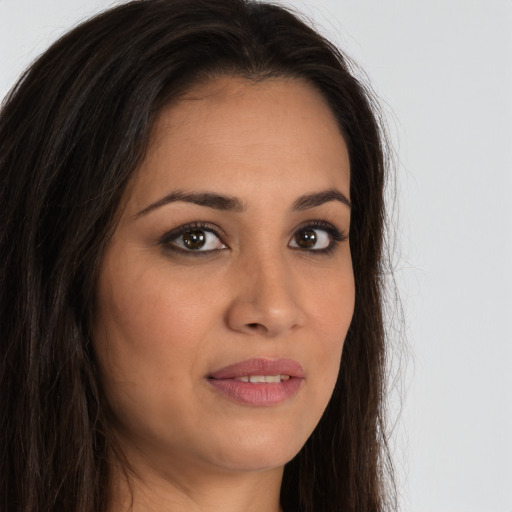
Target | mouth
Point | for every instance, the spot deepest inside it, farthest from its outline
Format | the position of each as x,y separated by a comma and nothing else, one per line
259,382
262,378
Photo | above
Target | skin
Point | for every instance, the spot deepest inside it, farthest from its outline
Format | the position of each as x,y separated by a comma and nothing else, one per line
168,318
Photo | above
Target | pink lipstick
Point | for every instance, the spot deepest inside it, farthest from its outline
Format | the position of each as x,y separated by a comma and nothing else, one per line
259,382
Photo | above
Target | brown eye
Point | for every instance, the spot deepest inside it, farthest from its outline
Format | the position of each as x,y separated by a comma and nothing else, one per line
194,239
306,238
316,238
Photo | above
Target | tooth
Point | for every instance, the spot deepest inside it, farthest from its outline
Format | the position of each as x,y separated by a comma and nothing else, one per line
263,378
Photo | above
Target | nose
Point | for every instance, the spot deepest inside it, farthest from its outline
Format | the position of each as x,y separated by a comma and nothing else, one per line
265,299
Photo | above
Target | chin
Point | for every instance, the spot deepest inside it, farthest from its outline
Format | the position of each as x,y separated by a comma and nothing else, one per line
257,451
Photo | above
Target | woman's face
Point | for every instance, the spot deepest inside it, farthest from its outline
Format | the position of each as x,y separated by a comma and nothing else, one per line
230,262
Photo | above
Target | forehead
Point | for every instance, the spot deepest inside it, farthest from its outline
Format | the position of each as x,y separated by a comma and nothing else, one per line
238,136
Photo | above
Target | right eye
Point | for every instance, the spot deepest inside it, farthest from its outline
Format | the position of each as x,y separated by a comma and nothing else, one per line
193,239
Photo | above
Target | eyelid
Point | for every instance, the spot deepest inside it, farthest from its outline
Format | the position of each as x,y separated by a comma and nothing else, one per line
172,235
321,224
337,235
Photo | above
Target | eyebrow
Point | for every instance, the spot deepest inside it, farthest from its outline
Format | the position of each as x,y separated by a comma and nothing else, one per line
233,204
216,201
318,198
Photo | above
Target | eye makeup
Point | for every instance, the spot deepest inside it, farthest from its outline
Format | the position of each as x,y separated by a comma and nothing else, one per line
196,238
308,237
201,238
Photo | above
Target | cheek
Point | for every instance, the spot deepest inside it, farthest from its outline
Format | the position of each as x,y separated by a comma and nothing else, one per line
150,309
332,308
147,339
135,332
332,303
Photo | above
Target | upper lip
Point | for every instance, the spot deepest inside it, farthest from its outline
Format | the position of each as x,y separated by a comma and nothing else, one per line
260,366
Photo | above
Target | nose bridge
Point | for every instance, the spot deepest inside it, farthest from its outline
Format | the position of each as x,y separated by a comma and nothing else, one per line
274,283
266,300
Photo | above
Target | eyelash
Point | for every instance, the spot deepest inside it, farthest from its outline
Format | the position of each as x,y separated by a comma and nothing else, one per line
173,235
336,237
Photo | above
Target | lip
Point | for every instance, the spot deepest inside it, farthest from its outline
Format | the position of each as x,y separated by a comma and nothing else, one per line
260,366
258,394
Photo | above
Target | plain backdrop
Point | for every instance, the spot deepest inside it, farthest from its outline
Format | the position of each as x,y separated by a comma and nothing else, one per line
443,72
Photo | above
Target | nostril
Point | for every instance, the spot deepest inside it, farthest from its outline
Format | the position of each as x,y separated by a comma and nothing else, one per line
257,328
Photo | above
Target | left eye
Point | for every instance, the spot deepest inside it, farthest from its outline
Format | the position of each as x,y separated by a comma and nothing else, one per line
311,238
199,240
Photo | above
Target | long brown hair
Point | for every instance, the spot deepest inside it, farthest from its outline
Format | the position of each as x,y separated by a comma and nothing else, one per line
72,132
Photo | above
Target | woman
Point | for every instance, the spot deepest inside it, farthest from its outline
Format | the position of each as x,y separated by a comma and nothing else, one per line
187,323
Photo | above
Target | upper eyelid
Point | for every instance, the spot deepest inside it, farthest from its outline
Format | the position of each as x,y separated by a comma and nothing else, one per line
319,224
220,233
206,226
166,241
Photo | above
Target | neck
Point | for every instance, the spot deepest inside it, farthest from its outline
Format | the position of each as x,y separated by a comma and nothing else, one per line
149,489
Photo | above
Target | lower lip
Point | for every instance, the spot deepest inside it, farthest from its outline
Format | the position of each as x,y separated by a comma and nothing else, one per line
258,393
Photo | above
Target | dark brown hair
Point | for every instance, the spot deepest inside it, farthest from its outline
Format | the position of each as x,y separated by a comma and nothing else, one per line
72,132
